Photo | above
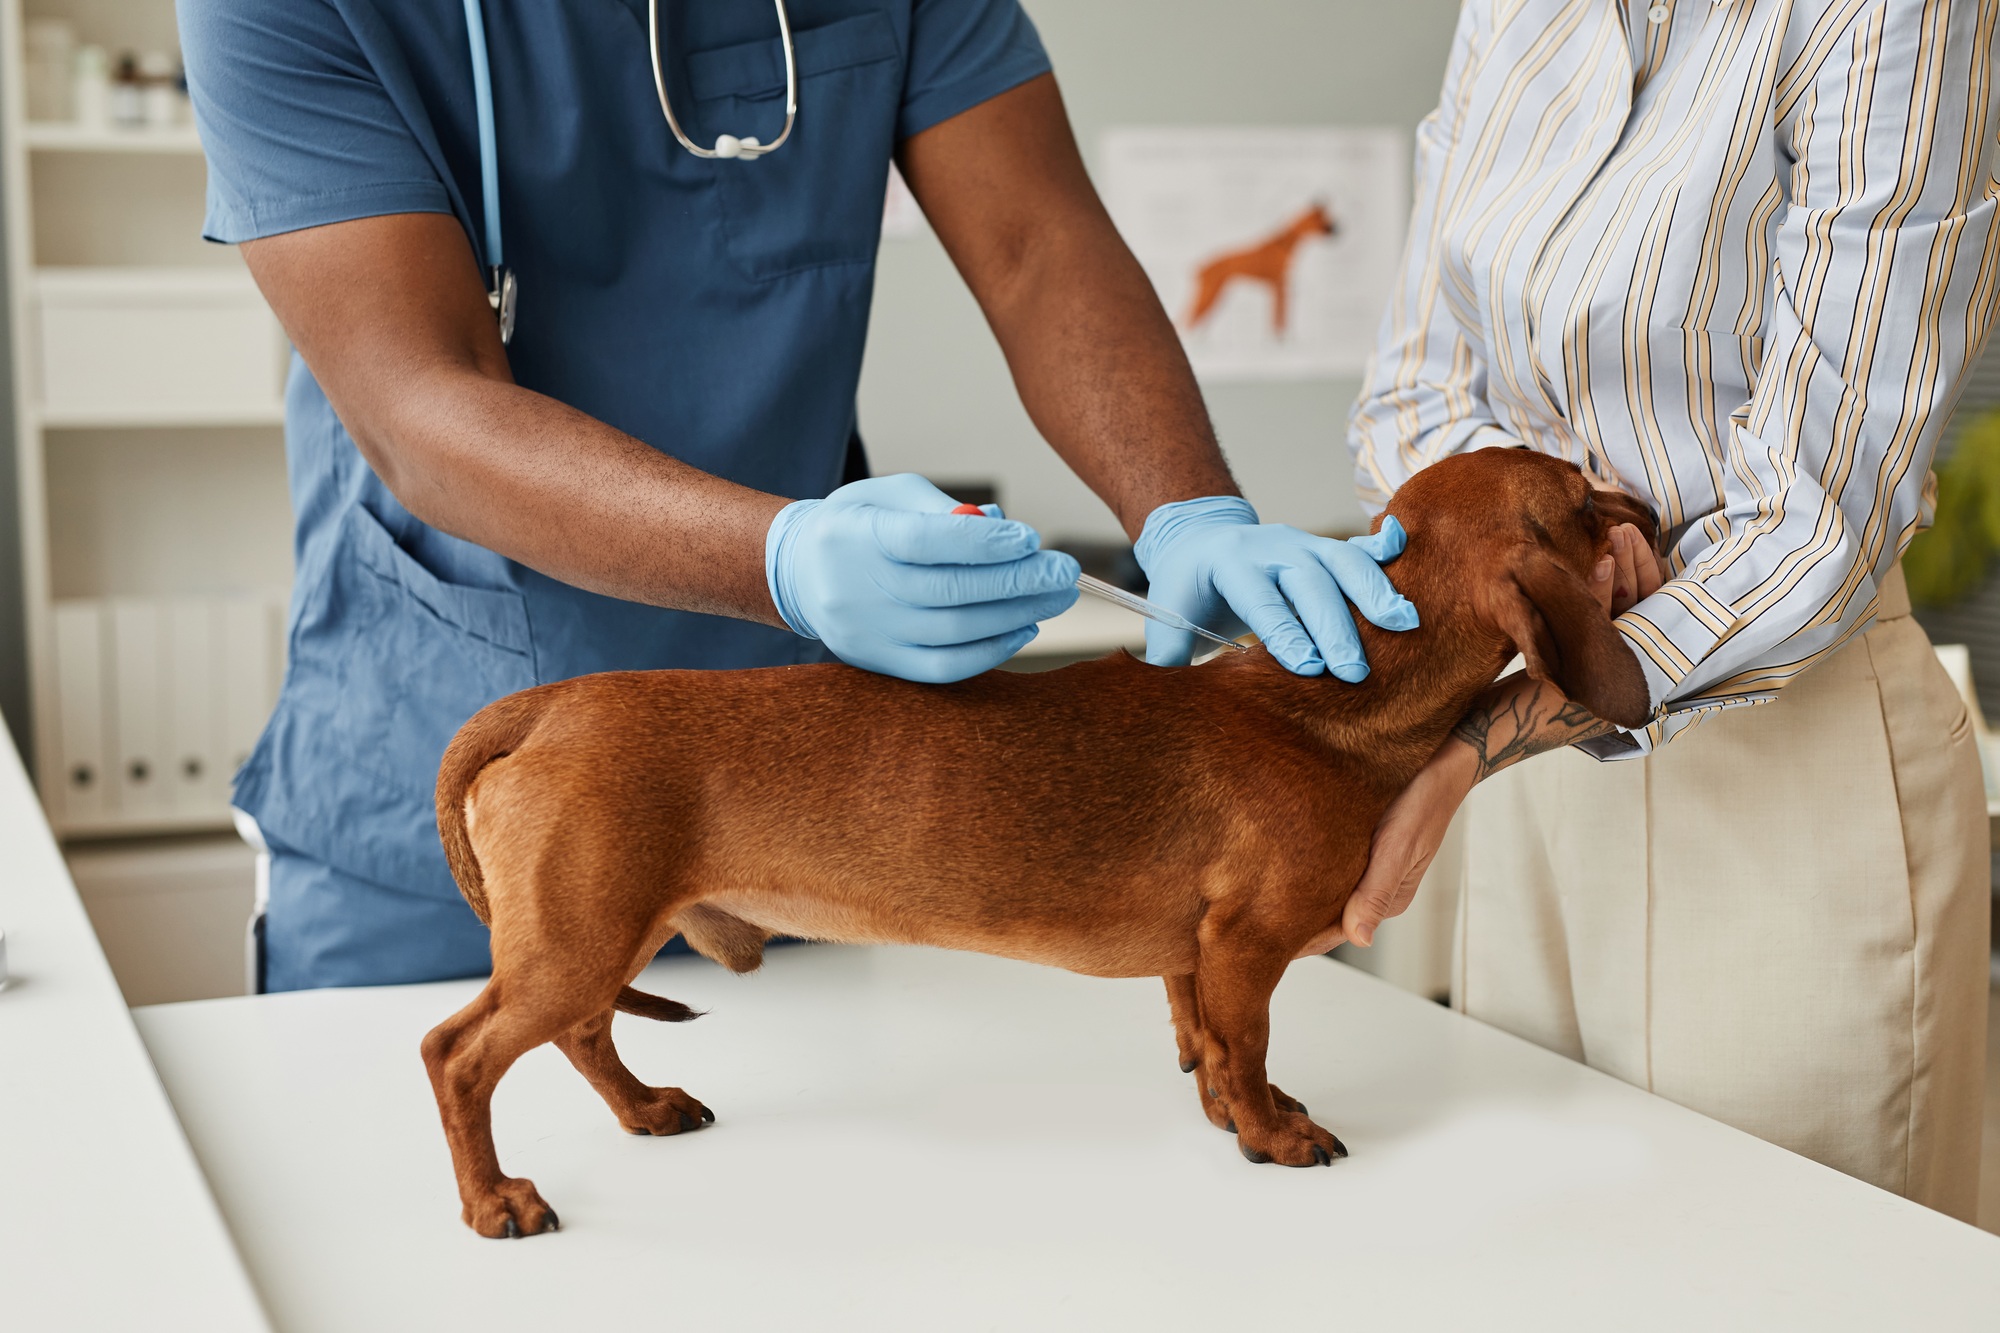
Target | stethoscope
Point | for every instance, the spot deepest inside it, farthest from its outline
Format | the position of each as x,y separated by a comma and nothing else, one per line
502,291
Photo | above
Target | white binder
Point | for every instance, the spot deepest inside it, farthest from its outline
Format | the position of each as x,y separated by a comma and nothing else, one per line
84,790
141,704
194,773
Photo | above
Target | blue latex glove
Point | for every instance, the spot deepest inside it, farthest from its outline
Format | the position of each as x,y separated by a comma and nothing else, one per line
1212,561
890,579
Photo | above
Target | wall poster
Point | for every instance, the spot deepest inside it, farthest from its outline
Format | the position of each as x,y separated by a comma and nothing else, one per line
1275,250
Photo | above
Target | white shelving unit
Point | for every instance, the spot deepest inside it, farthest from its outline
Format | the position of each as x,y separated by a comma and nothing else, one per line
64,138
154,512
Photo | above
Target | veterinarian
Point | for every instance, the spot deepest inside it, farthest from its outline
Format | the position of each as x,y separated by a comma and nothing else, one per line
1732,258
617,486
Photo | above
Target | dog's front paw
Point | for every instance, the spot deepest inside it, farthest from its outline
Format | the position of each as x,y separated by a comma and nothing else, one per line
512,1208
1293,1140
1218,1111
665,1111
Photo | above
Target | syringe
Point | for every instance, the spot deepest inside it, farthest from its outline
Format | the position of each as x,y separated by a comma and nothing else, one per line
1111,592
1131,601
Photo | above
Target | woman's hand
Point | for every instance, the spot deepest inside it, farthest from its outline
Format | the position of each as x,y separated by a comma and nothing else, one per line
1509,721
1406,840
1512,719
1636,573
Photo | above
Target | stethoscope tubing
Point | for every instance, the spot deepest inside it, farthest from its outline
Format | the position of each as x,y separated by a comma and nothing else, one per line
489,144
501,287
727,145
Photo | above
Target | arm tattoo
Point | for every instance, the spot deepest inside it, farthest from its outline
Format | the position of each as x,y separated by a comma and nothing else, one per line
1516,719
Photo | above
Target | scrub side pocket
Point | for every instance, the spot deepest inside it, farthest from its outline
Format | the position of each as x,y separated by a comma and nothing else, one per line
433,654
817,201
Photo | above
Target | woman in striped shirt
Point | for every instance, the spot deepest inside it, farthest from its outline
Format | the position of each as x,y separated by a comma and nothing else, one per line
1732,256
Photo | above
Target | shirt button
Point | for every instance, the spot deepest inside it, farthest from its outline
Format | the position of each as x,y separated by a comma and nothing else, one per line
1657,14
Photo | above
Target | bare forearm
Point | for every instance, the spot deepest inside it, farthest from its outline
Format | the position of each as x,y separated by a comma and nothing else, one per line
1096,360
1519,716
1102,374
563,493
389,314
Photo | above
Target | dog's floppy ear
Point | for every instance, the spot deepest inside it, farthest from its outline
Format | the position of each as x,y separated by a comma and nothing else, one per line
1567,638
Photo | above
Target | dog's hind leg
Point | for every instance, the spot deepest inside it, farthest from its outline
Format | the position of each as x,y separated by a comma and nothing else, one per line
466,1056
640,1109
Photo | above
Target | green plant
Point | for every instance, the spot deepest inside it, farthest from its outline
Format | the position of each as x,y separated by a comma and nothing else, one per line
1948,562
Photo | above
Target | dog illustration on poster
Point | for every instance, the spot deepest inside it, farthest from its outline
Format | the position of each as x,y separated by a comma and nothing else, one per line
1267,263
1275,247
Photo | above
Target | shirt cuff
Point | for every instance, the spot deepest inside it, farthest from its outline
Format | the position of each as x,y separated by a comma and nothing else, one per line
1667,724
1669,719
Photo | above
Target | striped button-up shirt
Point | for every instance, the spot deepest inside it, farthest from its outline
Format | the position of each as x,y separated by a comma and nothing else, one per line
1730,255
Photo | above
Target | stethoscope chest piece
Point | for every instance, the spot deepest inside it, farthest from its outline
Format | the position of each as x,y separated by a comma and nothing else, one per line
502,293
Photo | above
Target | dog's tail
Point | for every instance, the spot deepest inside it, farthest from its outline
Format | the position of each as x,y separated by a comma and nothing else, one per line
652,1006
494,732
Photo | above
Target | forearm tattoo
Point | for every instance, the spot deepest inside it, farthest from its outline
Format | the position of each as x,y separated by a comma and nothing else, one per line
1511,722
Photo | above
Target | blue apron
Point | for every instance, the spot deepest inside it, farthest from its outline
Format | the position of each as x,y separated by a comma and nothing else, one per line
715,310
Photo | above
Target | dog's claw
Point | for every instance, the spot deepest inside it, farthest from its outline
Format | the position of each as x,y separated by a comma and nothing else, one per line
1189,1066
1229,1128
552,1222
1339,1148
1252,1155
707,1116
688,1121
513,1231
1320,1157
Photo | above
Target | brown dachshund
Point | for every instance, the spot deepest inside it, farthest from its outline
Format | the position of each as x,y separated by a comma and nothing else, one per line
1268,262
1199,824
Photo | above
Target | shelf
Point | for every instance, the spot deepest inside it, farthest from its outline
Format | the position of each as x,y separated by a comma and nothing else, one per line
193,821
100,284
270,414
61,138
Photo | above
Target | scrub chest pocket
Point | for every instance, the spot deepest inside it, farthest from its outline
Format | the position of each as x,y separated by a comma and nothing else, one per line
817,201
431,655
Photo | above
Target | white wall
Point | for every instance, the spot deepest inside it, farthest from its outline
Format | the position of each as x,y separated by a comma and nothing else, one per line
935,395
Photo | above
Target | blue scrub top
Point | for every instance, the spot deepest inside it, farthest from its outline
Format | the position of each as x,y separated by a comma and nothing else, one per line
714,309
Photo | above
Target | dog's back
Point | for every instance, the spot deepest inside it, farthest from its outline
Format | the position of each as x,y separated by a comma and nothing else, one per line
999,814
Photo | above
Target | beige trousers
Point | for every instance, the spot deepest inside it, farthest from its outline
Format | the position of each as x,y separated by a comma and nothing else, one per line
1780,919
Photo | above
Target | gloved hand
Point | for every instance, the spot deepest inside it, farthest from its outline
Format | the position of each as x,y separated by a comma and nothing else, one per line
891,580
1212,561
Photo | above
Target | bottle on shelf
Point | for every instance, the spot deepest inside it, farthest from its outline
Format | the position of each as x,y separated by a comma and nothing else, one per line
91,92
164,101
128,94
